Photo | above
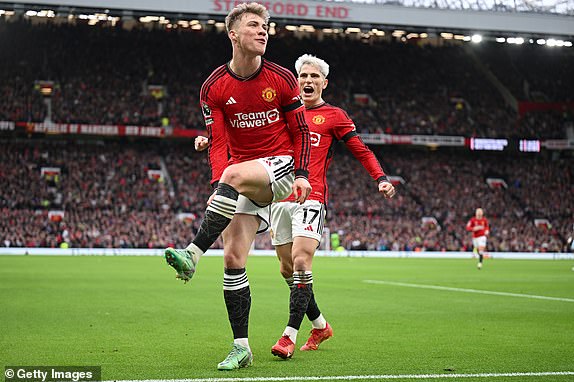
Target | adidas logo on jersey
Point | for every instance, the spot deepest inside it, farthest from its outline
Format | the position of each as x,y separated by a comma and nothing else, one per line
309,228
231,101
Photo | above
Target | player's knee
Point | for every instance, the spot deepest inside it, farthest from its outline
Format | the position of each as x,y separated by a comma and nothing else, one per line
234,259
232,176
302,261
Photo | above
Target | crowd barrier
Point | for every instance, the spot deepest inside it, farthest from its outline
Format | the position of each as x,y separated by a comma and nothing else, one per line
219,252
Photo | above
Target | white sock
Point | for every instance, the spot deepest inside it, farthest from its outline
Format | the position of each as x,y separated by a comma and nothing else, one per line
195,252
319,322
243,342
291,333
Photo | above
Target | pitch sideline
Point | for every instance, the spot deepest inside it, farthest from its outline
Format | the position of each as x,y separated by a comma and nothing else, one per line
451,289
360,377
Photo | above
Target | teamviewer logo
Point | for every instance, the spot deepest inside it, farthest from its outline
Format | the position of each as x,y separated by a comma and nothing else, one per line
255,119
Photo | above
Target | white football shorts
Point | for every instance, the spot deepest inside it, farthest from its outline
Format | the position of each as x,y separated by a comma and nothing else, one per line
291,219
478,242
281,176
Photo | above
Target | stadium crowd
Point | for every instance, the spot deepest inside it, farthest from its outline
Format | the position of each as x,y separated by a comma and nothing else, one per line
532,74
101,76
111,199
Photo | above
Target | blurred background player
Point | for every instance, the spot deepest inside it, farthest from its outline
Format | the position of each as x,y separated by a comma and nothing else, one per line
297,228
478,225
253,112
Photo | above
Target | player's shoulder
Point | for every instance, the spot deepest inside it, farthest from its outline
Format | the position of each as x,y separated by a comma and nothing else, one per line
217,75
336,111
333,109
280,72
275,67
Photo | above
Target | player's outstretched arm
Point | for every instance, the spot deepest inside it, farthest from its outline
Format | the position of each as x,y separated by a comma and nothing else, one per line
369,161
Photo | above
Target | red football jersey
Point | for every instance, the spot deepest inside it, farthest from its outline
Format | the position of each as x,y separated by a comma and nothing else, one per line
328,125
474,222
255,117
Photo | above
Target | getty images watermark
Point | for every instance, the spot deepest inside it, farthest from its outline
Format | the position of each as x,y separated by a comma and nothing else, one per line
52,373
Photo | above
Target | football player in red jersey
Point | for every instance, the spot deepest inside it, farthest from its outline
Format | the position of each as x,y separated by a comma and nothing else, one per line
478,225
253,112
297,228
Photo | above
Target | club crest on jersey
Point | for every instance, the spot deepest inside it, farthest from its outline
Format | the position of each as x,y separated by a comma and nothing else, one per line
269,94
318,119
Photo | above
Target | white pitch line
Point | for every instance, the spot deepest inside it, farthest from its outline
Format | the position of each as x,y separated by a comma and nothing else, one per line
438,287
355,377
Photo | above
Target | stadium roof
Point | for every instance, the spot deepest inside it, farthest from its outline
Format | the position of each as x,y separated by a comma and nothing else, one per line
565,7
537,18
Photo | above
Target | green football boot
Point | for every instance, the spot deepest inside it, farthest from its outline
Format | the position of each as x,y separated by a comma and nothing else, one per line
182,261
239,357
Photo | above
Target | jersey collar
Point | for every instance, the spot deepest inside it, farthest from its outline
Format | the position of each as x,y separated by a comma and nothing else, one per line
239,78
317,106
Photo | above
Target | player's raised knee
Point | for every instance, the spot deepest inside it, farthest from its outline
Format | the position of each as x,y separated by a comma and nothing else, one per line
233,176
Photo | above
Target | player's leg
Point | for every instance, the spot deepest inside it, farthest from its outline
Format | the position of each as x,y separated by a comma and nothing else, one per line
285,263
311,227
282,237
481,247
303,250
250,179
283,241
475,250
237,239
481,250
286,268
307,226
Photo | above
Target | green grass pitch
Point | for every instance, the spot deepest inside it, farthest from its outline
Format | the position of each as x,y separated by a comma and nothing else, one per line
131,317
